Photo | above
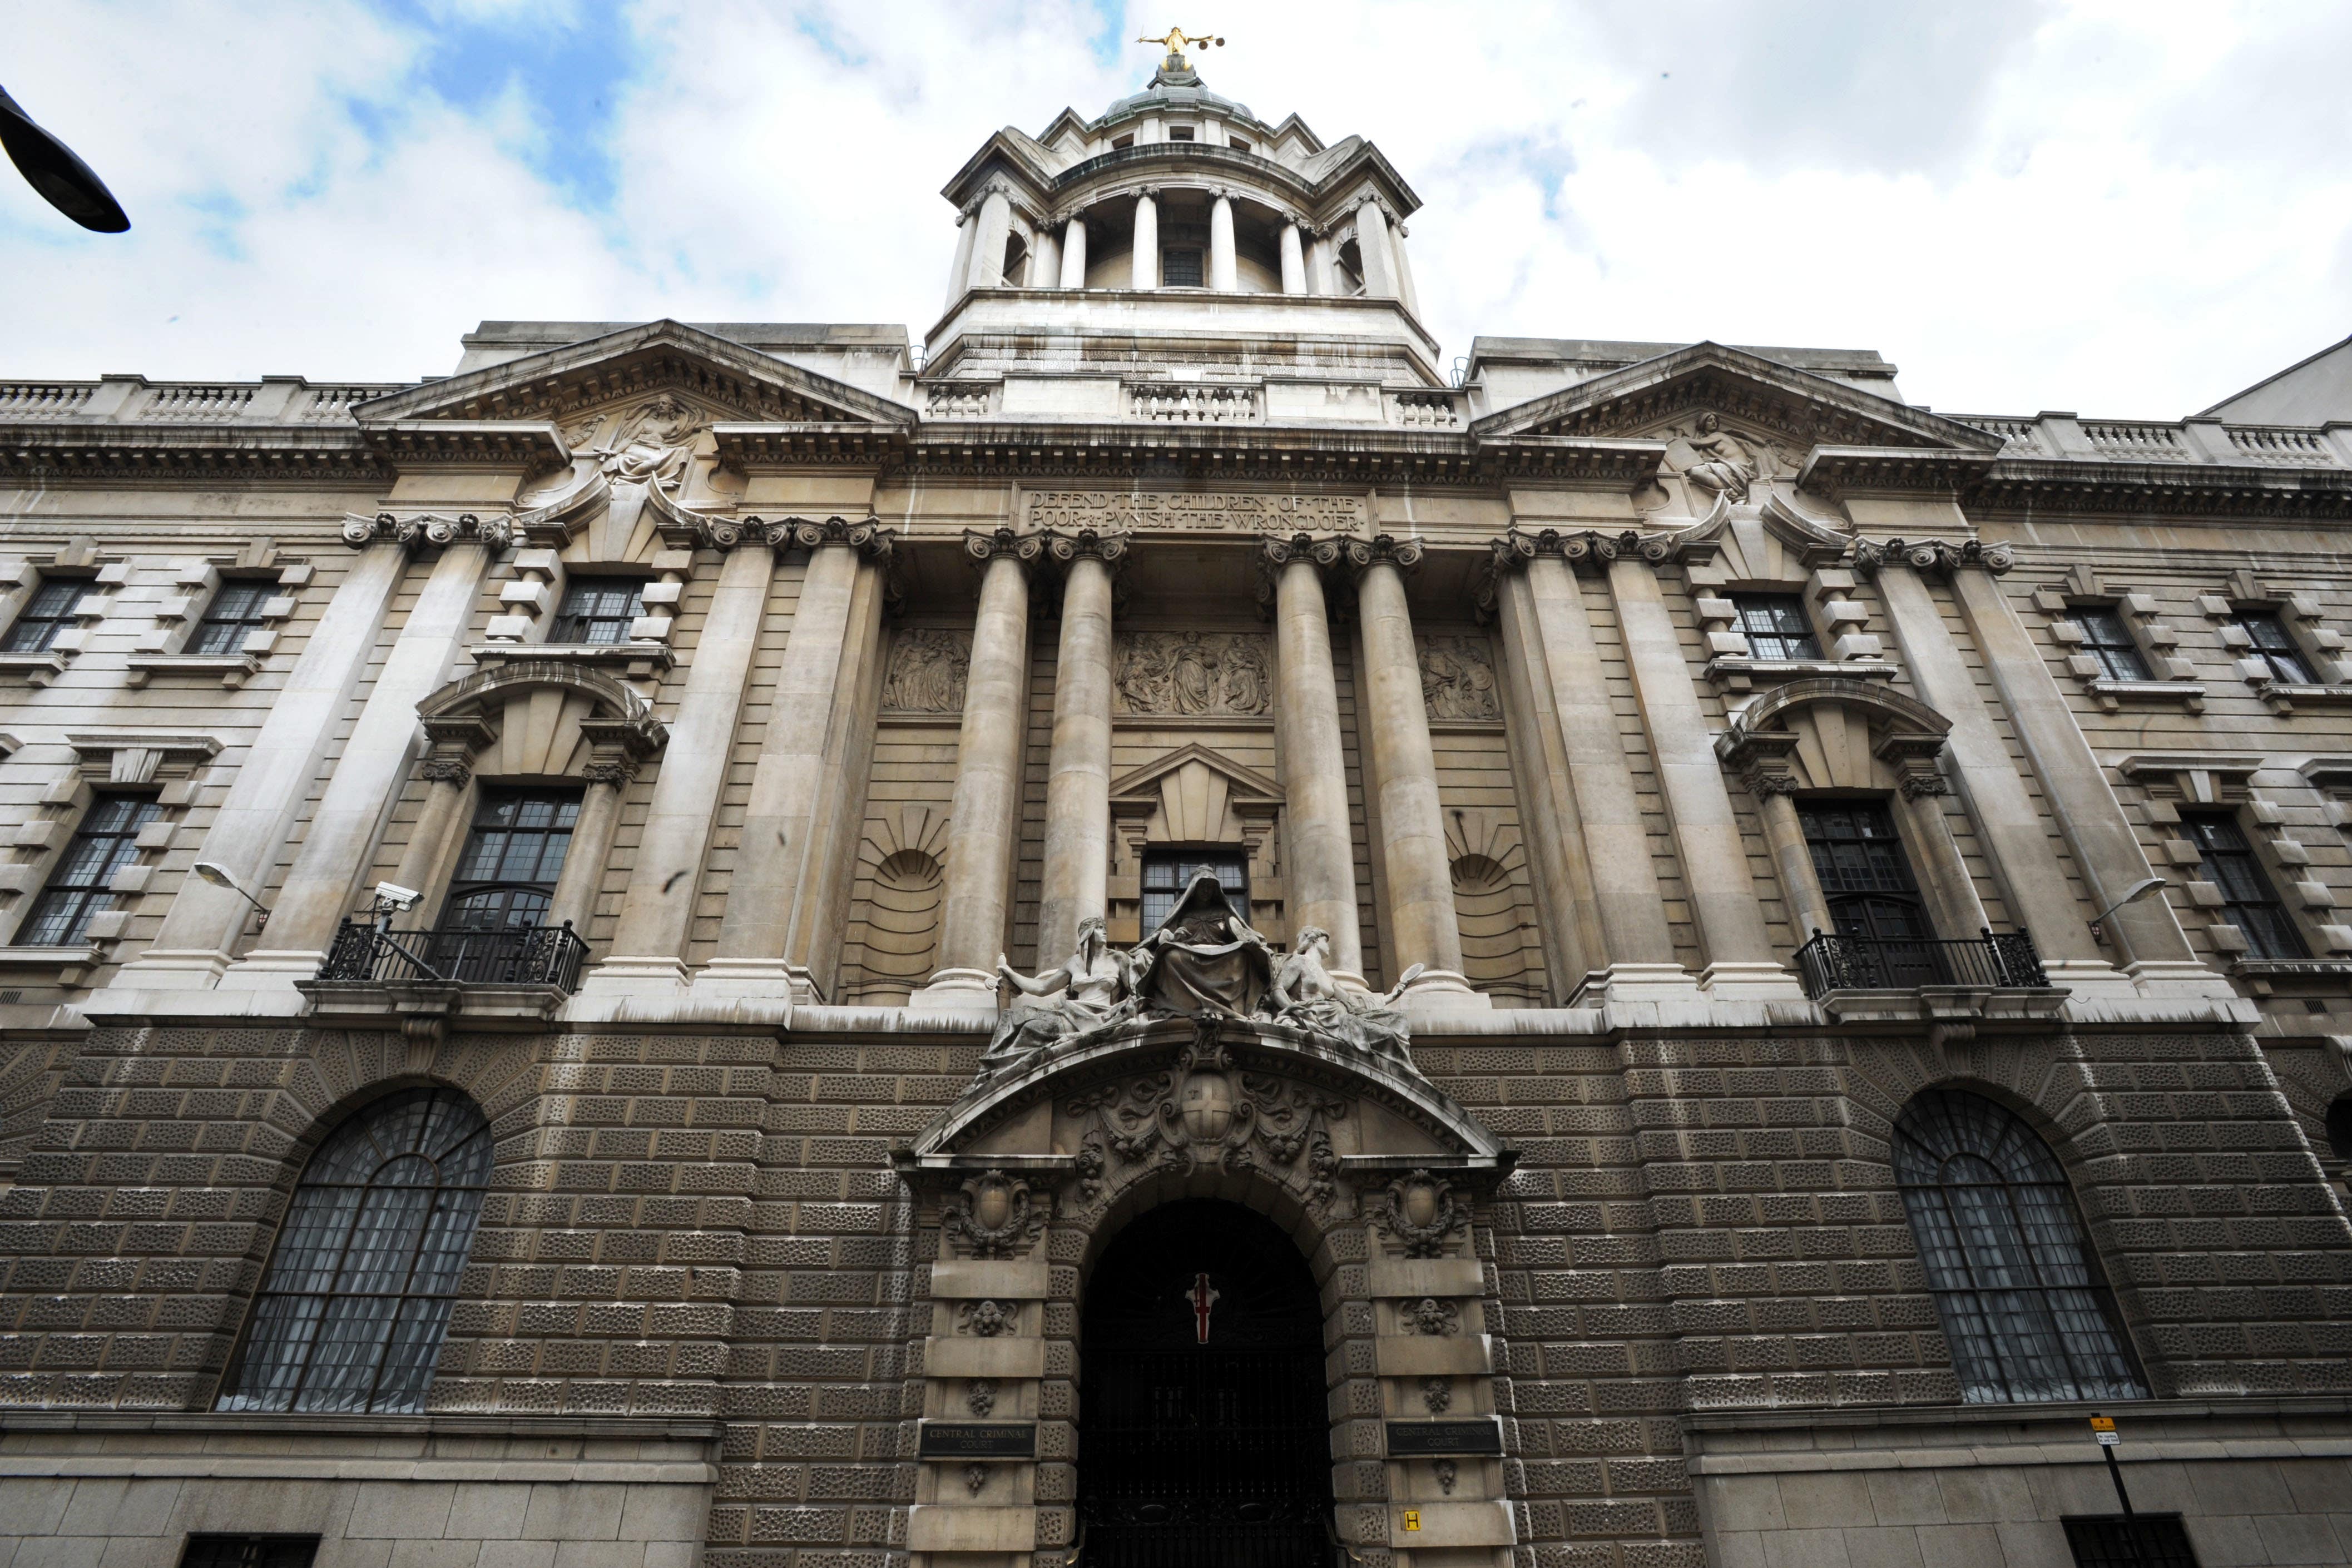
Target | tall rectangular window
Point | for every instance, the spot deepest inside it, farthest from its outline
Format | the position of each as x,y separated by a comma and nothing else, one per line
1179,268
2248,900
105,844
49,612
598,609
1777,626
512,859
2276,646
1166,872
2108,640
235,610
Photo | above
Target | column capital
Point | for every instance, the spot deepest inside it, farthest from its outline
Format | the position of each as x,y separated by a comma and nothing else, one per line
868,538
985,545
454,739
427,530
1586,549
1086,544
1932,559
1762,759
619,746
1381,550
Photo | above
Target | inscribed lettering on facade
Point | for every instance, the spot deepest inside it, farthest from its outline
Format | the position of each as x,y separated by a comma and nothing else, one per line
1213,511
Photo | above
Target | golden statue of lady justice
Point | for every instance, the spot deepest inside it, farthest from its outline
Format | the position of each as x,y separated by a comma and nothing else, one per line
1177,39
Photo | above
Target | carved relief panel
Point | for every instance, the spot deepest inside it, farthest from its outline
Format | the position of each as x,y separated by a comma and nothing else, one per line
1458,679
1192,675
928,668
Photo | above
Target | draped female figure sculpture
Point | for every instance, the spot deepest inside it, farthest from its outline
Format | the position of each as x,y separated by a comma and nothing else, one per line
1094,991
1305,996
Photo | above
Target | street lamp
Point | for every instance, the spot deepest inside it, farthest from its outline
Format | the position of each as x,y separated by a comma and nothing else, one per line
49,166
218,875
2138,890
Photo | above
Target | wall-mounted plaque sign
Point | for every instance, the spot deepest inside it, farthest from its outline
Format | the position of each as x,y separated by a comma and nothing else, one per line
978,1440
1481,1435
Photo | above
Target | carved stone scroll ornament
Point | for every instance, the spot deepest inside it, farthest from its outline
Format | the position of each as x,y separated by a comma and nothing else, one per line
928,666
1457,679
418,530
1931,557
1209,1112
1191,673
996,1215
1421,1212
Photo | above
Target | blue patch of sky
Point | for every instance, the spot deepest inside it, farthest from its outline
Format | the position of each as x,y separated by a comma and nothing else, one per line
1109,41
570,65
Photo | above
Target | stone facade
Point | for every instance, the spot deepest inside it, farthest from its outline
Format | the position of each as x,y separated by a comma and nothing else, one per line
1543,692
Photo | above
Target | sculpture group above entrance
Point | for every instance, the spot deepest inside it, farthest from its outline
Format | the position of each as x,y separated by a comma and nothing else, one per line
1204,962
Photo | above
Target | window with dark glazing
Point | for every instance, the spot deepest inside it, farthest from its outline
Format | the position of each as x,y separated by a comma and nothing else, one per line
598,609
1179,268
205,1551
46,613
2106,638
1864,875
1166,872
105,844
2248,901
2025,1310
235,610
1777,626
513,857
352,1311
2276,646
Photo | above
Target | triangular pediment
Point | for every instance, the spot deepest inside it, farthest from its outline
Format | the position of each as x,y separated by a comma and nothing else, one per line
1656,397
729,381
1240,782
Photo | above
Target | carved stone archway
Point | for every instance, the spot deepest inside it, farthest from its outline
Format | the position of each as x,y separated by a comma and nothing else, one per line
1373,1171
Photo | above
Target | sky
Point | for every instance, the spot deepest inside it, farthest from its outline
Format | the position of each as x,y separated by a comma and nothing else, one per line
2128,210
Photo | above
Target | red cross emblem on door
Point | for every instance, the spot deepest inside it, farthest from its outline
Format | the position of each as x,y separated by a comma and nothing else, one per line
1203,1297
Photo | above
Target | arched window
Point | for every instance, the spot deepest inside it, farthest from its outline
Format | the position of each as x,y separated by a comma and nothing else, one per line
357,1298
2024,1307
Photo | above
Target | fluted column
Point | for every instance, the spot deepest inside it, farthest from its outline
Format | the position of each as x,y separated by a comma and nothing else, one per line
649,942
1294,261
1224,269
993,228
1145,262
1074,252
345,828
984,821
1077,877
1740,957
1421,924
254,823
783,887
1372,250
1320,860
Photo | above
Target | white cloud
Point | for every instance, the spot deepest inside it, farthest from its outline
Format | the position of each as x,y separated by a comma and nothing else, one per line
2124,208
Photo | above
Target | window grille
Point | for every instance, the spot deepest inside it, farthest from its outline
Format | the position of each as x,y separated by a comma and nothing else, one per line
2024,1308
352,1313
1179,268
597,610
48,612
2248,901
1777,626
1166,872
235,610
512,859
105,844
1864,875
2106,638
2276,646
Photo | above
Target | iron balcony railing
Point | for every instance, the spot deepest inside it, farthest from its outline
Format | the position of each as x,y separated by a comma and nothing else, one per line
456,954
1840,963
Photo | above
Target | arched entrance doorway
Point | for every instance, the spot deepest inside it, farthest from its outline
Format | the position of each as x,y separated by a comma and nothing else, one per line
1203,1433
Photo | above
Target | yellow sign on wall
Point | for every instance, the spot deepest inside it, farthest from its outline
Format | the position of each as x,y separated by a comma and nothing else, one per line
1412,1519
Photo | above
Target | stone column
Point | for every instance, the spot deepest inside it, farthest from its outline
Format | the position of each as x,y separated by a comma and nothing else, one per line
2075,788
1074,252
1372,250
1573,944
1294,261
2041,897
1224,270
1422,921
984,820
959,270
794,816
649,943
443,820
1145,262
1944,877
616,749
349,818
200,931
991,230
1077,875
1792,858
1740,960
1636,948
1403,270
1044,260
1319,862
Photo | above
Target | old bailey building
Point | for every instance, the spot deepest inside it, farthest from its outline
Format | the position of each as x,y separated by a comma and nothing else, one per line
1174,932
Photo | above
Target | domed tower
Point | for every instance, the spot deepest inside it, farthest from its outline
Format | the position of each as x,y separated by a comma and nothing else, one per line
1178,230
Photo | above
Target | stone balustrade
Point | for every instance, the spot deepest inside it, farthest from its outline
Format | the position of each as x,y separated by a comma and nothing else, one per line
2188,442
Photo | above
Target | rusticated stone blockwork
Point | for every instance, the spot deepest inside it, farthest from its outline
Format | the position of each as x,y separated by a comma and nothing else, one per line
708,1226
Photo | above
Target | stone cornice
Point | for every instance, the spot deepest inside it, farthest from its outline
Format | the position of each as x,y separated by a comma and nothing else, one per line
2058,484
1838,472
406,443
745,446
265,454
